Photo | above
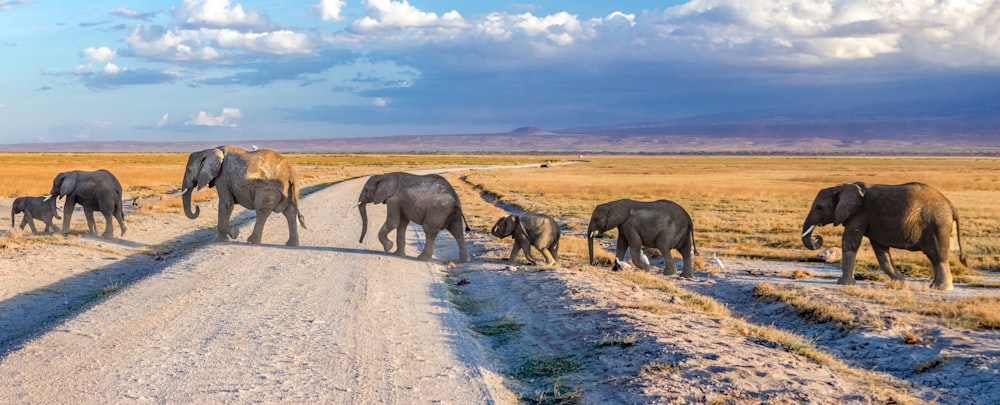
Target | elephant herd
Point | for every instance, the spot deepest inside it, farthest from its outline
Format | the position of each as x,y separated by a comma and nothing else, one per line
910,216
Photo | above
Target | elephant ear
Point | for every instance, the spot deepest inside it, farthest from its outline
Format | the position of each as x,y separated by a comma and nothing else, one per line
849,199
66,182
211,166
385,188
618,214
507,225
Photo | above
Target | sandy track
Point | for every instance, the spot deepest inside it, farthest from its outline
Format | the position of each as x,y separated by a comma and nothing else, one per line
331,321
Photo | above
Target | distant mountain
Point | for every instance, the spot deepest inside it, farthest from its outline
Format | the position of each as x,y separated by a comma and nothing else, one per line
884,130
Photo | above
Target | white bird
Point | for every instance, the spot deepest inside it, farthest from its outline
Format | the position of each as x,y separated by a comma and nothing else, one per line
717,261
644,259
254,147
622,265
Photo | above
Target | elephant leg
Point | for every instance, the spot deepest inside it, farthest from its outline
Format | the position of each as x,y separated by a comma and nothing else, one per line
291,214
636,251
457,229
549,257
27,220
67,213
401,238
942,270
669,267
526,247
885,261
258,226
91,225
687,259
109,230
621,247
224,231
430,234
383,235
514,251
850,244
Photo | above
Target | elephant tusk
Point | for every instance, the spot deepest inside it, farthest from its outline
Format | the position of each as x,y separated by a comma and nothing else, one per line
808,231
47,197
184,191
356,204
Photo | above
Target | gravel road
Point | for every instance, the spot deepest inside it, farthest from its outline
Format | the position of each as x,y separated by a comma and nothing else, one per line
332,321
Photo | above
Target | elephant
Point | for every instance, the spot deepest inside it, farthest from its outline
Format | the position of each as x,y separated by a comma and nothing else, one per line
34,208
260,180
911,216
538,230
96,190
661,224
427,200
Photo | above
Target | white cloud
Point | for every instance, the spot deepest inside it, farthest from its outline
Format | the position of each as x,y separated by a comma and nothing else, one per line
112,68
389,14
276,42
2,106
329,10
162,121
226,119
174,44
380,102
218,13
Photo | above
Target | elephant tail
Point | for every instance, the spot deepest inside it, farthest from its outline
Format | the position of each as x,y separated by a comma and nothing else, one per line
958,235
119,212
691,234
293,193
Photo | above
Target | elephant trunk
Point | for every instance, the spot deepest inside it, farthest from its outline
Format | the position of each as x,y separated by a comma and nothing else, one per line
52,204
364,220
186,198
811,241
590,241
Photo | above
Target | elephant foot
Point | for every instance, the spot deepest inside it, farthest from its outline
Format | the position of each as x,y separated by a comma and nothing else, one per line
292,242
254,240
235,234
425,257
942,286
387,246
846,281
669,272
222,238
687,275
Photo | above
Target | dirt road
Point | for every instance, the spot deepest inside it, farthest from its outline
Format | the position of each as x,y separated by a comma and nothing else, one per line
332,321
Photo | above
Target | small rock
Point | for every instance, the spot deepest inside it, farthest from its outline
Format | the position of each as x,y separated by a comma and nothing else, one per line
830,255
463,281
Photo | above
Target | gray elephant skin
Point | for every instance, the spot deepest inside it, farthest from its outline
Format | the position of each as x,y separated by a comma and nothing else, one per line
661,224
912,216
530,230
427,200
95,191
34,208
260,180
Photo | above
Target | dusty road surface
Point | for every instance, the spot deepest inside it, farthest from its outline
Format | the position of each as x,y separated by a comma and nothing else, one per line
332,321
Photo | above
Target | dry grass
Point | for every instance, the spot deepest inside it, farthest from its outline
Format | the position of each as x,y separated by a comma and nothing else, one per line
976,313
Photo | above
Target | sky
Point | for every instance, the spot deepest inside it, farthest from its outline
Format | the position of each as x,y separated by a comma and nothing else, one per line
182,70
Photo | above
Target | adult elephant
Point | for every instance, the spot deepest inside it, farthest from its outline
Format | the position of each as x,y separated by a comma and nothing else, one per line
661,224
911,216
261,180
95,191
34,208
427,200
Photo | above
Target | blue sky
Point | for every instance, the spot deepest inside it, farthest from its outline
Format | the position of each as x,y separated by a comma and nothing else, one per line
237,70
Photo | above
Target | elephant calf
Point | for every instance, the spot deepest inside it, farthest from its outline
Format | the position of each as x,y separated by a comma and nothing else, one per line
661,224
34,208
540,231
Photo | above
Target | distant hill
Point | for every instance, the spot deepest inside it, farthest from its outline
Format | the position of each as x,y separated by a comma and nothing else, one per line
960,133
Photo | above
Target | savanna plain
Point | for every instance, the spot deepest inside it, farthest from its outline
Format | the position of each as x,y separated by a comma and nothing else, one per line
766,323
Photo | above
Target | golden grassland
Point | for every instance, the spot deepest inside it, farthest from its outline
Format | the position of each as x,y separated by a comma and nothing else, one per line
747,206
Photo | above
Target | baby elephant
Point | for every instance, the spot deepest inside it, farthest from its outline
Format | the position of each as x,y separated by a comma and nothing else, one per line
540,231
34,208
